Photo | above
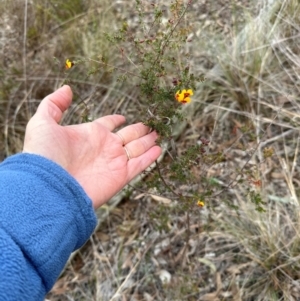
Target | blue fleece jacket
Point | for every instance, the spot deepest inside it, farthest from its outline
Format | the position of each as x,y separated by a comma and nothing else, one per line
44,216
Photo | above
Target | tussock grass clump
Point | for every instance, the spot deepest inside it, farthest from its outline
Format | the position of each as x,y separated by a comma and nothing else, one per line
271,243
253,92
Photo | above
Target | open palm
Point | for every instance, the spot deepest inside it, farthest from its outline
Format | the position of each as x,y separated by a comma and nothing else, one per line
94,155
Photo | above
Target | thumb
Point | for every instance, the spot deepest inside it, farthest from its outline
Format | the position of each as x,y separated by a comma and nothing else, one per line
53,105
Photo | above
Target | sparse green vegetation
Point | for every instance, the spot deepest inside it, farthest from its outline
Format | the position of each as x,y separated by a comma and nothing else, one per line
234,147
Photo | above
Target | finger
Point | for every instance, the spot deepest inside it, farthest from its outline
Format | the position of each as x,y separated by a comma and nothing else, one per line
139,146
137,165
111,122
53,105
132,132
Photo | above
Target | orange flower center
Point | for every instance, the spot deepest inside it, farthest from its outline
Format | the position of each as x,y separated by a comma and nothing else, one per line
186,95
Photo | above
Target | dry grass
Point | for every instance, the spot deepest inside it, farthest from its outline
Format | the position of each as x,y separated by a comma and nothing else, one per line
248,105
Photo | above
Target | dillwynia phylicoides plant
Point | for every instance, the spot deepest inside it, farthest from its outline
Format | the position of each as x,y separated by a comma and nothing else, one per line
163,88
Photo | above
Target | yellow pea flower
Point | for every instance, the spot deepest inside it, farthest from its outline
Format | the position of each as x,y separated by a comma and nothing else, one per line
69,64
183,96
200,203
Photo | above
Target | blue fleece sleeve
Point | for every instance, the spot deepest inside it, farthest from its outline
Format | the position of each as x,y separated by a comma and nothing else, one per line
44,216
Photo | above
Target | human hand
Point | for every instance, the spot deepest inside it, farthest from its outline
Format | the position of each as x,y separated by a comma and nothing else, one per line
90,152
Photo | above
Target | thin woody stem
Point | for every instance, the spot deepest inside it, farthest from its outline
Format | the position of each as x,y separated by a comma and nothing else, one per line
165,183
118,68
164,45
